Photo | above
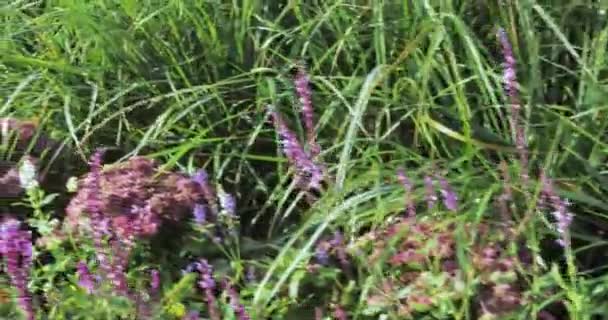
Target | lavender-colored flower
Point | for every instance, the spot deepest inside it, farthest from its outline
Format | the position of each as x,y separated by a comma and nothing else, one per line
450,200
117,275
431,195
251,274
510,72
227,202
321,253
94,205
302,84
192,315
237,307
409,199
205,270
560,212
200,213
337,244
307,171
16,247
207,284
112,270
510,80
154,281
85,280
202,178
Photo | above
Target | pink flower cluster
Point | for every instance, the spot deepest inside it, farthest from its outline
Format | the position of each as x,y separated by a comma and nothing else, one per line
131,200
125,203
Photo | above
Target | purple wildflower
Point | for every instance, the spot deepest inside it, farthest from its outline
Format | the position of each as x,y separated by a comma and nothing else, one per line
118,276
560,212
237,307
202,178
200,213
113,270
307,172
510,80
337,243
302,84
450,200
431,196
227,202
321,253
192,315
16,247
409,199
154,281
251,274
85,280
99,225
207,284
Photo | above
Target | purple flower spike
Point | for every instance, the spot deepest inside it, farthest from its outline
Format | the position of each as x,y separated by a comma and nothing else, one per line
450,200
154,281
237,307
16,247
251,274
337,243
431,196
227,202
307,172
302,84
94,205
206,275
85,280
202,178
321,253
200,214
409,199
510,81
560,212
207,284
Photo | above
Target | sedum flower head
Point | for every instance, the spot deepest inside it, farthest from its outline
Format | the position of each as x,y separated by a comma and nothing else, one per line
135,197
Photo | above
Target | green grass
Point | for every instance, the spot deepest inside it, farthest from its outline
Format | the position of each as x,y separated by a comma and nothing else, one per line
416,84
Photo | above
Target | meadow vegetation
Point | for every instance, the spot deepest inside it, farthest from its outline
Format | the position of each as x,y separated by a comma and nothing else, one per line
297,159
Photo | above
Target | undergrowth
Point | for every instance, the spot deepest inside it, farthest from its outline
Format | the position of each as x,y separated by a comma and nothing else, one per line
303,159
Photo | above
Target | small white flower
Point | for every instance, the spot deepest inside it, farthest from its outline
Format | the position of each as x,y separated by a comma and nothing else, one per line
27,175
72,184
